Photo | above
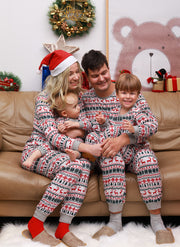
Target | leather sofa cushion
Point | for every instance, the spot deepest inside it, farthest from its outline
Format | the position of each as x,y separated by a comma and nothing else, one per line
16,182
0,141
20,184
170,173
165,107
92,194
17,112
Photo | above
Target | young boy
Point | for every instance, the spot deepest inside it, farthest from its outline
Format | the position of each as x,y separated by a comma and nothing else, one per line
128,89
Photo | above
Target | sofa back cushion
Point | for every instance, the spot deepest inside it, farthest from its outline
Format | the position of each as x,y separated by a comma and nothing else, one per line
166,107
17,111
16,118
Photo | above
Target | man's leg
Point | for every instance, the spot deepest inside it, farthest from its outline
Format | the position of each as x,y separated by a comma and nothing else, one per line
113,172
146,167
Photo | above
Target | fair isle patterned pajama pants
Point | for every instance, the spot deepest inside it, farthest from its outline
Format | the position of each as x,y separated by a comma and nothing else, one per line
68,185
138,159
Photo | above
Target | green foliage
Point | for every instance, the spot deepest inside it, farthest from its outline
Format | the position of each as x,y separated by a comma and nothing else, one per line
71,18
9,82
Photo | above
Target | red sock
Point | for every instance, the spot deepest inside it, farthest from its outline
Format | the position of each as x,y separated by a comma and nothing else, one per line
35,226
62,229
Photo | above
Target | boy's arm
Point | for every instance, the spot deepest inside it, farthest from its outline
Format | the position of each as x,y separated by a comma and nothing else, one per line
147,124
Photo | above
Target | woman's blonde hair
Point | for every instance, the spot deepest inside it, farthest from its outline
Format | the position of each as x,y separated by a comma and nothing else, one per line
59,86
128,82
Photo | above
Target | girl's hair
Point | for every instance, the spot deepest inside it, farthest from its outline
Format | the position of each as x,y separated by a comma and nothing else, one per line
59,86
128,82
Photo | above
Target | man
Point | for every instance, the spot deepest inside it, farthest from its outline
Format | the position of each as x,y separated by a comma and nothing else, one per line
102,98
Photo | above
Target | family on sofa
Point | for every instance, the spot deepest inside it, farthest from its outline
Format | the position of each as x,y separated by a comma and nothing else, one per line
117,120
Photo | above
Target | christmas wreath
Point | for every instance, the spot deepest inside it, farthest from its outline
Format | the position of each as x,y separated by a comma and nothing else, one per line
71,17
9,82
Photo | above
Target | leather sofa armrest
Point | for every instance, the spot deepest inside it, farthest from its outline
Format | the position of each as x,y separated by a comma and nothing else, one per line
0,141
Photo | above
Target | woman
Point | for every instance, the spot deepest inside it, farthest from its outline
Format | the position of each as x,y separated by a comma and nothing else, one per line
69,178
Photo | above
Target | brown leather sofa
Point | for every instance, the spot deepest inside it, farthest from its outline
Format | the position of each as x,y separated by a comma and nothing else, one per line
21,190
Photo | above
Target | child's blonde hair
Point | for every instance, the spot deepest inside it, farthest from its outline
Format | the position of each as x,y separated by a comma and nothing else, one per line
62,104
59,86
128,82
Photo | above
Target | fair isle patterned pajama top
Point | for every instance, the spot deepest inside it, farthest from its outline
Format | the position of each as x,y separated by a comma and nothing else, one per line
69,179
136,157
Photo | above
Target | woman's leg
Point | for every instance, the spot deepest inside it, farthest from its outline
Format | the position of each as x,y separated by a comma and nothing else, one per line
74,199
64,174
71,206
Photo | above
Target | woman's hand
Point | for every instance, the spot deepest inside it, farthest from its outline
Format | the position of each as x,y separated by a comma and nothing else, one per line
111,146
74,133
71,124
93,149
62,128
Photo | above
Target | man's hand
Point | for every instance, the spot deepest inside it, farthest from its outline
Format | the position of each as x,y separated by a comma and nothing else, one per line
111,146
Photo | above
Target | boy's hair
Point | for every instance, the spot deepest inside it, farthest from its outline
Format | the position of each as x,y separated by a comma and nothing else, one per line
128,82
93,60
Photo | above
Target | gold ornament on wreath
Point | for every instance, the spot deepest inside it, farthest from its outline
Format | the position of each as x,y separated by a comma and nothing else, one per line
71,17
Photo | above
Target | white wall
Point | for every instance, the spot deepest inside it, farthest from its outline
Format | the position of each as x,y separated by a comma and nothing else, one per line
24,27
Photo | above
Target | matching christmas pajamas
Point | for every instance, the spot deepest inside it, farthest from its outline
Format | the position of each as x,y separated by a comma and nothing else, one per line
69,179
136,157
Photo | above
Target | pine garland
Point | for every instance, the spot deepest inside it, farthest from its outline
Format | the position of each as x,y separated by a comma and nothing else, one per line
71,17
9,82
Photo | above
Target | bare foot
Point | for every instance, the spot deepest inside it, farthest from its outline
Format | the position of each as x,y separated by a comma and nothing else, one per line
28,162
34,156
72,154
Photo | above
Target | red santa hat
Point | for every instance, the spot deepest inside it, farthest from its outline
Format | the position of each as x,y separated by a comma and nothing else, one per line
58,61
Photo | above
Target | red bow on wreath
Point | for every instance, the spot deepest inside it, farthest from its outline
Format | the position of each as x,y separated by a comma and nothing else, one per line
9,82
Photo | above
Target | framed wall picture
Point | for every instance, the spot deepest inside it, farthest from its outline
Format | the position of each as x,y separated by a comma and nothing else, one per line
143,37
